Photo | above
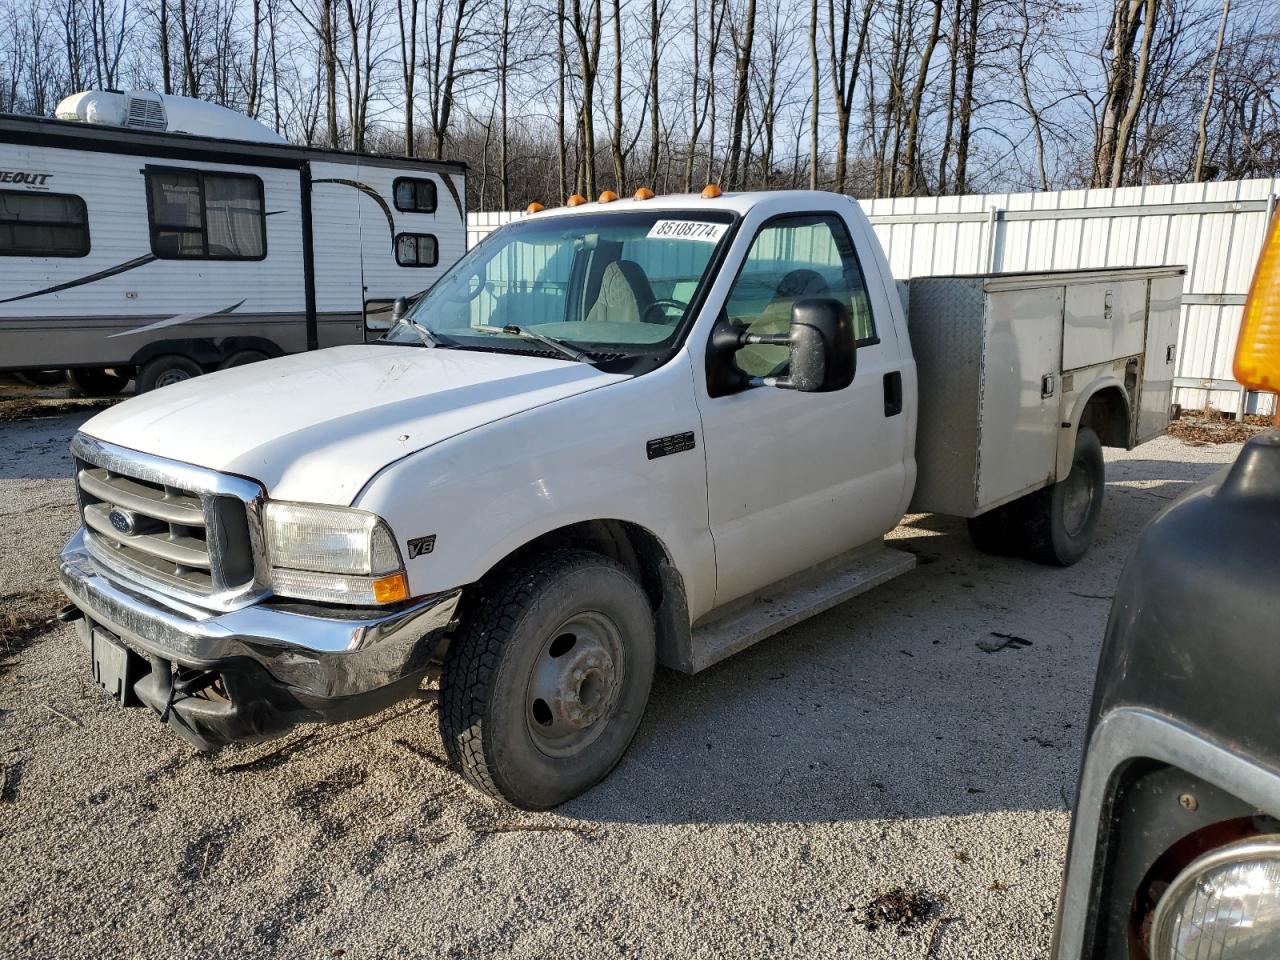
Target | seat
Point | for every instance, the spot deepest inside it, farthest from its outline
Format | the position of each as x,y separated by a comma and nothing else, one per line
625,295
759,360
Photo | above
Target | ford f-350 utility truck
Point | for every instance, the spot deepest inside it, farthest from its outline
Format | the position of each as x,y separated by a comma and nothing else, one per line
615,434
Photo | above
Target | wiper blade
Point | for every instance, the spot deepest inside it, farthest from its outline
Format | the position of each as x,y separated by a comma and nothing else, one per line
425,335
558,345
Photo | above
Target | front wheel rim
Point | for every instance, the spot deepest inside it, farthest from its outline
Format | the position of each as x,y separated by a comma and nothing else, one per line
575,685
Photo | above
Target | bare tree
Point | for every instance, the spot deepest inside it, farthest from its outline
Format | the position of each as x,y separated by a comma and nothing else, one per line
1126,74
1202,139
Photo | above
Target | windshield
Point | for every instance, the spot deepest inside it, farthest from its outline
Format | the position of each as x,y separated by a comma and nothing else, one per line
605,283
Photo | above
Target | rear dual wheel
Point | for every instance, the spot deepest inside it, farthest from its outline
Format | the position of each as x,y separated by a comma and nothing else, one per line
1053,526
545,687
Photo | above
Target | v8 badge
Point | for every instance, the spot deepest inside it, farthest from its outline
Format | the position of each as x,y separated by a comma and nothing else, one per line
421,546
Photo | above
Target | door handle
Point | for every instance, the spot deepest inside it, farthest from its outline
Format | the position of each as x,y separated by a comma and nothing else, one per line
893,393
1048,386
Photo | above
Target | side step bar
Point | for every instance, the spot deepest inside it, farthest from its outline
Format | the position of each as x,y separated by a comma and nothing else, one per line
743,622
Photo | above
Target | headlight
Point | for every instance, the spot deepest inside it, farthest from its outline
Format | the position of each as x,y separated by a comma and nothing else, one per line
332,554
1224,906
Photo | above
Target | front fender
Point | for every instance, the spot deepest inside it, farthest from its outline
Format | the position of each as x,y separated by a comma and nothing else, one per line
485,493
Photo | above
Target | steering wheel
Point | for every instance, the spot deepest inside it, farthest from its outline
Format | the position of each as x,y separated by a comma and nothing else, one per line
662,303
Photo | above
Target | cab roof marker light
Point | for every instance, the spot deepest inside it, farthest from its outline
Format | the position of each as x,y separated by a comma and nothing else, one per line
608,197
644,193
576,200
534,207
1257,361
710,192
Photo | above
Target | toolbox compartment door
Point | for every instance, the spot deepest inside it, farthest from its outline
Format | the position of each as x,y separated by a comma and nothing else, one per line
1159,360
1021,391
1103,321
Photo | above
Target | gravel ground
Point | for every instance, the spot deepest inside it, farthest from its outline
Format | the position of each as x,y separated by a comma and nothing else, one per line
764,806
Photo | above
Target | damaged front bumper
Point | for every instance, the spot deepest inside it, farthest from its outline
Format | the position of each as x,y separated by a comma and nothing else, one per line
252,673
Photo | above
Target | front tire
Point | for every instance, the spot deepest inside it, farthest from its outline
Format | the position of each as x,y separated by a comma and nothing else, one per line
544,688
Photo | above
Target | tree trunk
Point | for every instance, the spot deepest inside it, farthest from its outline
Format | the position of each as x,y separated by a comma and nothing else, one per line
166,69
814,102
740,93
908,180
615,144
966,99
1202,141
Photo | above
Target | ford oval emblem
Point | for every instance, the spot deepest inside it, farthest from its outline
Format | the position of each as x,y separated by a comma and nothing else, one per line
123,521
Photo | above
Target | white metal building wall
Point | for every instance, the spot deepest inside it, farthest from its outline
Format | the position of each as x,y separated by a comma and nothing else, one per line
1215,230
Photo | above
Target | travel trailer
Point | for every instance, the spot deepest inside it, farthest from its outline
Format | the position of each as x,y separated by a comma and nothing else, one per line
156,237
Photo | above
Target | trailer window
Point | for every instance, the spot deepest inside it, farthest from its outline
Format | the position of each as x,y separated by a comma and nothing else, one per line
415,196
196,215
417,250
42,225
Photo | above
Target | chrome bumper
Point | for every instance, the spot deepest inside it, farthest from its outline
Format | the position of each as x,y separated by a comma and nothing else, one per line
316,652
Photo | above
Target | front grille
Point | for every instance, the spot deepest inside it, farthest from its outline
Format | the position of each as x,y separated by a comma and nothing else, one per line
181,529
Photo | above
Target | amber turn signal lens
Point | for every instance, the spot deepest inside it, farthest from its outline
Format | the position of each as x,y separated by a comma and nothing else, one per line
390,588
644,193
608,197
576,200
534,207
1257,364
710,192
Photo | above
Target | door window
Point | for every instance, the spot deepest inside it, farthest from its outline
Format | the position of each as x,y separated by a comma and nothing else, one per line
790,259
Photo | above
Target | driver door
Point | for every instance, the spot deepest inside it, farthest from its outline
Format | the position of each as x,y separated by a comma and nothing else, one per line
797,478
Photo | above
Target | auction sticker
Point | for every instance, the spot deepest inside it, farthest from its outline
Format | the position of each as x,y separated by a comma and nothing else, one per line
687,230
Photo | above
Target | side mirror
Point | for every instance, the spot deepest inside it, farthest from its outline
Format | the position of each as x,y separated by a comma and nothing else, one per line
399,309
823,351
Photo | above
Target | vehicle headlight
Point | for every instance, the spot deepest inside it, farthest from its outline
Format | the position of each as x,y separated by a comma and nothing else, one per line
1224,906
332,554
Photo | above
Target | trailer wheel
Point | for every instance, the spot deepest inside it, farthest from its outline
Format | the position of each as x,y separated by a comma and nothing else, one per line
241,357
1060,520
998,531
545,686
164,371
98,382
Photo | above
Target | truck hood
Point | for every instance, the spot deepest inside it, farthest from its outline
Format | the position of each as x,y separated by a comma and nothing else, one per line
316,426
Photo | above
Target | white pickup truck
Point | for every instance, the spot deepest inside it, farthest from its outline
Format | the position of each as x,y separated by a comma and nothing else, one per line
615,434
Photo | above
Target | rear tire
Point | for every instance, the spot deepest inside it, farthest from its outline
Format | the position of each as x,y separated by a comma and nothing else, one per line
544,688
1060,520
165,371
98,382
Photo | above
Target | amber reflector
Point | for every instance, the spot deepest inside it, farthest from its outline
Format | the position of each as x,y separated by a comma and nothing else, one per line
1257,363
390,588
608,196
534,207
644,193
576,199
710,192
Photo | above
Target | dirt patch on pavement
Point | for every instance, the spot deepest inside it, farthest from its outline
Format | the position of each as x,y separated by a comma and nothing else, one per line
24,616
38,408
901,909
